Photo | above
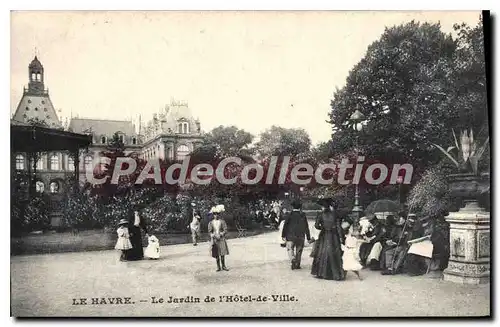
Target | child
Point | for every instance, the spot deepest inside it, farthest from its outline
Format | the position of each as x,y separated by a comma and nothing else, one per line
350,259
123,243
153,249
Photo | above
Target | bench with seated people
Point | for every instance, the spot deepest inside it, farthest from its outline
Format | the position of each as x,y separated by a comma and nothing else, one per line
407,245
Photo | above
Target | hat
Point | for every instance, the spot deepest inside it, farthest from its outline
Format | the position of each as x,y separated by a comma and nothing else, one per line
123,222
296,204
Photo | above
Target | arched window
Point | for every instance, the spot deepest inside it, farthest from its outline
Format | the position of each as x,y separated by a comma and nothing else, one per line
182,151
33,77
88,163
39,186
19,162
39,163
183,127
54,162
121,138
103,139
134,141
71,163
38,77
54,187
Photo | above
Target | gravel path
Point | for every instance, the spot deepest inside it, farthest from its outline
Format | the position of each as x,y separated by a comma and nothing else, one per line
46,285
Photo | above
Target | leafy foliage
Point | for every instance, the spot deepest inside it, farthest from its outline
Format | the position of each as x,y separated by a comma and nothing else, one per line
413,84
430,195
469,152
230,141
279,141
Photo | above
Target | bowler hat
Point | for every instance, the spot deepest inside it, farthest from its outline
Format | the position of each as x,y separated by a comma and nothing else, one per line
123,222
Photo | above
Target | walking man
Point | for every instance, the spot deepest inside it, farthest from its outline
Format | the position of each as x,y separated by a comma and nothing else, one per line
295,230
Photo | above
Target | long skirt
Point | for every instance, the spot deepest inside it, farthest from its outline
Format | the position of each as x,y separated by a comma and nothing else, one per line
137,252
219,248
327,262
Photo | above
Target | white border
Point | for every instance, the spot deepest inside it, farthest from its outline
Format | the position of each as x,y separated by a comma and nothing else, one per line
193,5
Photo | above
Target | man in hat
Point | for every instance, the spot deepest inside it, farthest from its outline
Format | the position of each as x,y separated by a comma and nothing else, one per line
295,229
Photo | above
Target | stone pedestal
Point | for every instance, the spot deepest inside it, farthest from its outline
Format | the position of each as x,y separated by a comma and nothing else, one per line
469,245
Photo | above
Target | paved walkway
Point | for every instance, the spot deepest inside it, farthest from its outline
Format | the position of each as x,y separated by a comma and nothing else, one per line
45,285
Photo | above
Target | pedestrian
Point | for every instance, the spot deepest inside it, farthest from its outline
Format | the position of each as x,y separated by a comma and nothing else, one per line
351,260
153,249
295,229
123,243
195,227
136,226
217,228
327,252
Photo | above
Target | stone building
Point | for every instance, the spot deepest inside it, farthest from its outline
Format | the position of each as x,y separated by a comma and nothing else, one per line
171,134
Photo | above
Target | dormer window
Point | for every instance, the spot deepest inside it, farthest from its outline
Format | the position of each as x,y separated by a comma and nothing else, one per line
183,127
121,138
134,141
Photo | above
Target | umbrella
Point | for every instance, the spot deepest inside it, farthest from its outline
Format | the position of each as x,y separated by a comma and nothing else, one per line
383,206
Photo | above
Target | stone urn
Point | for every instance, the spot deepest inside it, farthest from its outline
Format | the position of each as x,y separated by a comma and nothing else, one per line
469,231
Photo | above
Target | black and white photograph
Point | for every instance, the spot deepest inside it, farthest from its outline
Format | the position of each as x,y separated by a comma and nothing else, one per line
250,164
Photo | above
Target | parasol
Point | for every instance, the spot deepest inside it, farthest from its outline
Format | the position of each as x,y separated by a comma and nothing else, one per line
384,205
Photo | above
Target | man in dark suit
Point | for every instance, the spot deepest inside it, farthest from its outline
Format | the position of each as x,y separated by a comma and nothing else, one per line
295,229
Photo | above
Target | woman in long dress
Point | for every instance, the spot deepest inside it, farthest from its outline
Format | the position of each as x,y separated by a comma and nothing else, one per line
136,224
217,228
327,262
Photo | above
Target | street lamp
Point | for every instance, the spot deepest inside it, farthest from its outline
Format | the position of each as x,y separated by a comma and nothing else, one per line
399,181
356,120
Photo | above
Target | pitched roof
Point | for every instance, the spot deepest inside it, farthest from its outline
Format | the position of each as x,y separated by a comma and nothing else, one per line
101,126
37,106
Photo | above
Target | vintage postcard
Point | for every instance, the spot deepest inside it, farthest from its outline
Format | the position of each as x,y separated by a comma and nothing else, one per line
250,164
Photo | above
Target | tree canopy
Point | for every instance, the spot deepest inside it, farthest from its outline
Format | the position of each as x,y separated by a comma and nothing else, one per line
413,85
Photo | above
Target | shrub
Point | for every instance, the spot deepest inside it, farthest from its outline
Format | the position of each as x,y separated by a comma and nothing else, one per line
430,196
36,214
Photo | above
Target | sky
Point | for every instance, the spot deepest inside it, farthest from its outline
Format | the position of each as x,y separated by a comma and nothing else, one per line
248,69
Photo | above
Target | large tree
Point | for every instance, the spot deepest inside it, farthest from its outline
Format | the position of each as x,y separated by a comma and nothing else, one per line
230,141
400,86
279,141
414,85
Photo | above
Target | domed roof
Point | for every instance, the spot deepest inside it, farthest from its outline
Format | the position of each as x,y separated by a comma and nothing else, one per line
35,63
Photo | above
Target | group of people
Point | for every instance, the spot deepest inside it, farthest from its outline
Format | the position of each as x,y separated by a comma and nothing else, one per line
400,245
130,238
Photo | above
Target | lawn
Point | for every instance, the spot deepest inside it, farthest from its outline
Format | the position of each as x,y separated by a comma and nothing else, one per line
94,240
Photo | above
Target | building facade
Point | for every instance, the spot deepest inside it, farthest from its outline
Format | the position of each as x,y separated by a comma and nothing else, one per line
171,134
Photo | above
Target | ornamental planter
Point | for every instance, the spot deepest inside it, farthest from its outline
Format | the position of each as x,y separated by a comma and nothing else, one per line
469,232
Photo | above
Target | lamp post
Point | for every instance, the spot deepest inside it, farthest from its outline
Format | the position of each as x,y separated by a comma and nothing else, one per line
356,120
399,181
